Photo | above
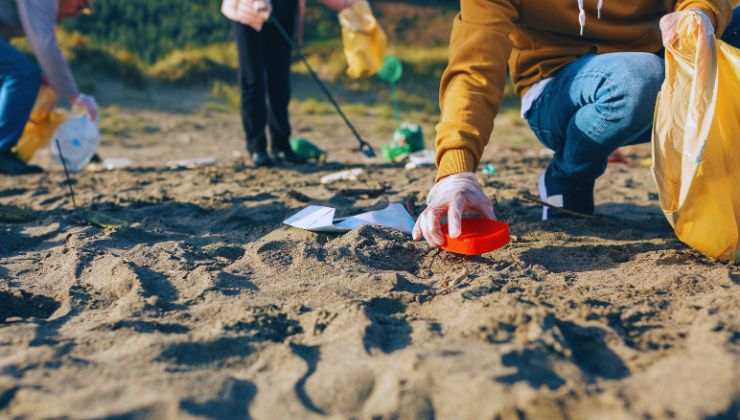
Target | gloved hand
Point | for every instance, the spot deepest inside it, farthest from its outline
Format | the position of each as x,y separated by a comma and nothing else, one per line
452,196
253,13
88,105
669,24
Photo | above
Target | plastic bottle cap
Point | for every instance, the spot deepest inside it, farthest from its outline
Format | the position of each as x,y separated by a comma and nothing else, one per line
478,237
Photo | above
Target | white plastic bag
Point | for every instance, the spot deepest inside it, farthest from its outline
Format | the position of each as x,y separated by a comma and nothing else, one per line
78,138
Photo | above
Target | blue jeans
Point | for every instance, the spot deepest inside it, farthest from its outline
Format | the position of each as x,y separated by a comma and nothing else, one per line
732,34
20,80
592,107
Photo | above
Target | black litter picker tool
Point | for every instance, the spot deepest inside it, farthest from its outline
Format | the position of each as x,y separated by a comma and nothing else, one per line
365,147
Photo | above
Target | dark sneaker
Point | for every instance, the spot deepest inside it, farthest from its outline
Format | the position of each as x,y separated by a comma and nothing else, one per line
290,157
262,160
578,199
10,164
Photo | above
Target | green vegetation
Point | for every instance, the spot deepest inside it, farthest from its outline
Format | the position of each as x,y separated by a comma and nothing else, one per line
152,29
173,41
176,42
155,29
190,42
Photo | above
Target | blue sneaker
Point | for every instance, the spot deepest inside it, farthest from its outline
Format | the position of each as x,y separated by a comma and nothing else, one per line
579,199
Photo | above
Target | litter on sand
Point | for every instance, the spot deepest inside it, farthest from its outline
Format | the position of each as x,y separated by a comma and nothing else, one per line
192,163
307,150
348,175
77,140
539,154
321,219
421,159
490,170
407,139
110,164
479,236
104,221
618,157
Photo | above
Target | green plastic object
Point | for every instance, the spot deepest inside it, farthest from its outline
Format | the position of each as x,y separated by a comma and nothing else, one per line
391,73
307,150
407,139
490,170
392,70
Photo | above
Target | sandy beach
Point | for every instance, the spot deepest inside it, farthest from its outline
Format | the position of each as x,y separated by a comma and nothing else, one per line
206,306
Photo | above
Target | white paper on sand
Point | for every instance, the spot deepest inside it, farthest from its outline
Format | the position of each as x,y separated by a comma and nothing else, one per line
348,175
321,219
111,164
421,159
192,163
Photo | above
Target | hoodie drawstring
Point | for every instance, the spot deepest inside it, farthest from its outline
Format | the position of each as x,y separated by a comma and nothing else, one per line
582,13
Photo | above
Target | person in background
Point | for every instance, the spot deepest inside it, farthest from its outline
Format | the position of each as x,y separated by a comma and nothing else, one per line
264,72
21,78
588,74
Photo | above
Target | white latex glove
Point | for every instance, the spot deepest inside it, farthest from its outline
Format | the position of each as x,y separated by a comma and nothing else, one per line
88,105
669,24
452,196
253,13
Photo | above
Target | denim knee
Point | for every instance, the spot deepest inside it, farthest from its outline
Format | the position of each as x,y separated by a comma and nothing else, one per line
633,83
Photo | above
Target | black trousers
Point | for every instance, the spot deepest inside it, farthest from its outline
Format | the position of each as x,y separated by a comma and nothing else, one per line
264,75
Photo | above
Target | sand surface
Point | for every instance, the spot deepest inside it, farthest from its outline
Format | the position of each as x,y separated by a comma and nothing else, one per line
207,307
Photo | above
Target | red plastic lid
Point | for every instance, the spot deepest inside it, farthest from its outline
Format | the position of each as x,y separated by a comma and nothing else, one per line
617,157
479,236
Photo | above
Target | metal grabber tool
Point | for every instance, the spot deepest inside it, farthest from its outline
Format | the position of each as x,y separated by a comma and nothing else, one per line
365,147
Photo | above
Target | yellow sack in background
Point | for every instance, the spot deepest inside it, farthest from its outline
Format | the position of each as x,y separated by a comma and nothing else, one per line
364,40
41,125
696,141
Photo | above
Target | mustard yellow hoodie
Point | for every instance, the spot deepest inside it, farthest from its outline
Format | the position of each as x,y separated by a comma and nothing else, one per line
536,38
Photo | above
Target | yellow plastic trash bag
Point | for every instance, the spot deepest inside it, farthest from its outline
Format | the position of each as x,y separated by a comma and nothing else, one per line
696,141
364,40
41,126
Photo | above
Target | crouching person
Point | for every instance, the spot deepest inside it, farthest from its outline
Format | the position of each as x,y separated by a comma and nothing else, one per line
20,77
588,74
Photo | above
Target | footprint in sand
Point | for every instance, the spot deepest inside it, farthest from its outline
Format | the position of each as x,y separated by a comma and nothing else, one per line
21,304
